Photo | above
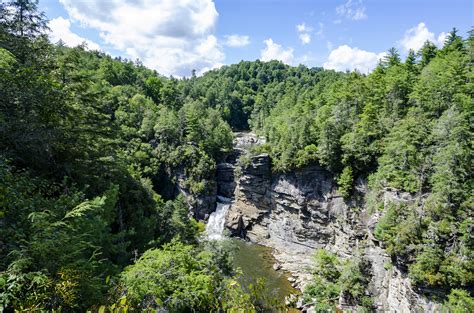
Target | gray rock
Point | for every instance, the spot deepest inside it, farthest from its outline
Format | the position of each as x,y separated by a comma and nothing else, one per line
299,212
200,205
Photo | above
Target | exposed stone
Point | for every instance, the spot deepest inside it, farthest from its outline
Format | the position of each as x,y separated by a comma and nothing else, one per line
201,205
225,179
245,140
293,213
299,212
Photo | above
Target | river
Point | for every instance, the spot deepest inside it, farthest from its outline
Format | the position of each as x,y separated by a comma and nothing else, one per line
254,261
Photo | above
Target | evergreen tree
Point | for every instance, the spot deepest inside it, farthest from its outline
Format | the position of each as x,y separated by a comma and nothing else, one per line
427,53
392,58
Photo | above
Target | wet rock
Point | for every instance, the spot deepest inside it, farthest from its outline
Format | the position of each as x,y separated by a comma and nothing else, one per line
292,300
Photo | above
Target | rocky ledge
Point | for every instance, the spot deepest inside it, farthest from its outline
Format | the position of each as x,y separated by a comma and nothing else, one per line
296,213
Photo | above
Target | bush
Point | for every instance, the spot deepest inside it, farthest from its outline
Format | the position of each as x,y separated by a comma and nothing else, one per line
174,278
345,182
460,301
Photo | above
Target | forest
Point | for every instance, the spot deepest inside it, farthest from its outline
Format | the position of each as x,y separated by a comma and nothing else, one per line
91,148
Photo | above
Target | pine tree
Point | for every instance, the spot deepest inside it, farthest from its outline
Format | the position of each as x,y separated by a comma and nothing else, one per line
410,62
453,42
21,26
392,58
427,53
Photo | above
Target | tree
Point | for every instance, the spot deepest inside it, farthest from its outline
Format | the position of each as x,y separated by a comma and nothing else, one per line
153,87
392,58
460,301
410,62
440,81
22,25
427,53
177,278
345,182
404,163
453,42
451,158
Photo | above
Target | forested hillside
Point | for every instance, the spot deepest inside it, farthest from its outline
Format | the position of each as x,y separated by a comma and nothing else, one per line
92,147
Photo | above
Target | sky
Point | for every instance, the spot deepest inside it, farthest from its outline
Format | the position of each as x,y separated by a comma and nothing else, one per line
178,36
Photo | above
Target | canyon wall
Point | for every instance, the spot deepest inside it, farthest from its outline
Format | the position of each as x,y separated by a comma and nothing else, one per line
299,212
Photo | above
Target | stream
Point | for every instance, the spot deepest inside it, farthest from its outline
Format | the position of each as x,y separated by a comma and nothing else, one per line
254,261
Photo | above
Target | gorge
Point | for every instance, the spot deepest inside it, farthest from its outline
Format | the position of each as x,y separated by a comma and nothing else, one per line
346,190
297,213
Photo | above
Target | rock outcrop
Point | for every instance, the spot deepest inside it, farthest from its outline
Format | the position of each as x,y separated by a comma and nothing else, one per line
200,205
296,213
293,213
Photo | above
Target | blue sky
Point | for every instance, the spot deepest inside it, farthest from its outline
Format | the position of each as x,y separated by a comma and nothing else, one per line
176,36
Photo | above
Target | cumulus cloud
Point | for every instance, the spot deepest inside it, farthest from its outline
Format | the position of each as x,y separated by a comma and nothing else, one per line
237,40
304,33
415,37
172,36
274,51
441,39
61,30
352,9
305,38
303,28
347,58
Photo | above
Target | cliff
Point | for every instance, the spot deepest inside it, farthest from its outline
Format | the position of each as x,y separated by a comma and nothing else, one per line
299,212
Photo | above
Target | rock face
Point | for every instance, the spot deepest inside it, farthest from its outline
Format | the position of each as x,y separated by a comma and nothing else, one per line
200,205
296,213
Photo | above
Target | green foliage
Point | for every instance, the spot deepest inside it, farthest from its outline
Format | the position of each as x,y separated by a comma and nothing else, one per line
332,278
176,278
459,301
404,163
183,278
91,142
345,182
57,243
440,81
92,149
326,265
435,268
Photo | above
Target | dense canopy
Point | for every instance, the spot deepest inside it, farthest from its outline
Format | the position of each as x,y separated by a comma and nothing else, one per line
91,148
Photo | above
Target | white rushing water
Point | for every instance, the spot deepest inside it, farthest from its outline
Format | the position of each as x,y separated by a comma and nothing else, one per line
215,224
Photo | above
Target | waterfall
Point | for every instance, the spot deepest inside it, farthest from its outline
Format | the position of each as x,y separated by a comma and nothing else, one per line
215,224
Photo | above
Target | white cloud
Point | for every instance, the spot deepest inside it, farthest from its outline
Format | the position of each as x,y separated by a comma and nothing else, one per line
303,28
172,36
347,58
415,37
441,39
237,40
352,9
274,51
61,30
304,33
305,38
